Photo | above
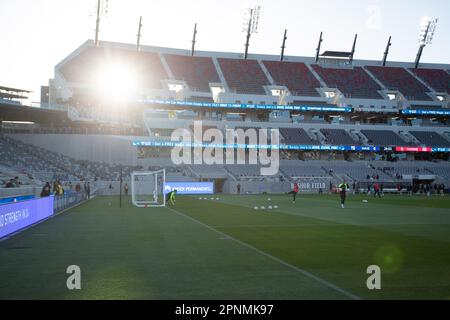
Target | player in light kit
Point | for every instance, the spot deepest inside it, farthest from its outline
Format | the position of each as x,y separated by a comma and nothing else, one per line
343,187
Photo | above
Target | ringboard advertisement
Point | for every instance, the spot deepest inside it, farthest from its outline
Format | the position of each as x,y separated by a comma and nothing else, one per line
16,216
189,187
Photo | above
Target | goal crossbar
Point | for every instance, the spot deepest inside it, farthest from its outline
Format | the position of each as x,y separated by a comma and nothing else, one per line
147,188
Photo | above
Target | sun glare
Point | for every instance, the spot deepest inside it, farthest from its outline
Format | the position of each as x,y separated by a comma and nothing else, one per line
116,82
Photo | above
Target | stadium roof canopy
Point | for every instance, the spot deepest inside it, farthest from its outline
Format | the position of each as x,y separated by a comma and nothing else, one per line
336,54
12,93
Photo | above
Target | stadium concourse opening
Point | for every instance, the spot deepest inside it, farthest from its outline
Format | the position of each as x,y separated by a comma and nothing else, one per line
151,172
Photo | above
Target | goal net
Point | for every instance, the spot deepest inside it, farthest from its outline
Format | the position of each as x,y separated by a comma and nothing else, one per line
147,188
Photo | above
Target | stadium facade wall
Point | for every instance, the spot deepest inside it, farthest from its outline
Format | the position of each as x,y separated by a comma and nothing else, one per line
256,187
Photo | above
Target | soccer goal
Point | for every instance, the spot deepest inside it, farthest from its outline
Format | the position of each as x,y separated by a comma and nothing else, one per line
147,188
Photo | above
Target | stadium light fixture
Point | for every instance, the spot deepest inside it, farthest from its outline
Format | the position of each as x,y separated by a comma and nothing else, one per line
102,9
251,23
115,82
426,35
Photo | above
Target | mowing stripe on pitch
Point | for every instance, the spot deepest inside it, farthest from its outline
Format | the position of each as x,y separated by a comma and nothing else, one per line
268,255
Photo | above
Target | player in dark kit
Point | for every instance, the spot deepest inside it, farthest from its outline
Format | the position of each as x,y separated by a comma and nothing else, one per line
343,187
294,191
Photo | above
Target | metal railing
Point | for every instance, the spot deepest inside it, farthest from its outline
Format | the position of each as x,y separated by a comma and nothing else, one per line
69,200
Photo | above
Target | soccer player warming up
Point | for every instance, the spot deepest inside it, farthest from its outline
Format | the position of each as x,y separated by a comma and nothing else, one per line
171,197
294,191
343,187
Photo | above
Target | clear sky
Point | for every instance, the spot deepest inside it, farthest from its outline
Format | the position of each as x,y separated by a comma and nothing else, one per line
37,34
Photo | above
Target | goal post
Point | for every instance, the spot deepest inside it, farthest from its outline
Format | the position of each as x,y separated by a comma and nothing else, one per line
147,188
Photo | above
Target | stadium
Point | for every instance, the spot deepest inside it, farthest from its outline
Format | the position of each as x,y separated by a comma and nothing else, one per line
84,176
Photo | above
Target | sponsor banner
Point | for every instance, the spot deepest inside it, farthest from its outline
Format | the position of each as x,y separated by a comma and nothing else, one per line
312,184
413,149
16,216
189,187
172,144
246,106
427,112
440,149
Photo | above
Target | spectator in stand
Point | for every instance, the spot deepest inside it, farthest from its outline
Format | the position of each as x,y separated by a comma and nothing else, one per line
10,184
46,190
78,188
55,187
17,182
61,189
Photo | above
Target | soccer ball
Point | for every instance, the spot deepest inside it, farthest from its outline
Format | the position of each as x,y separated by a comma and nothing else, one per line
256,208
269,199
275,207
365,201
199,198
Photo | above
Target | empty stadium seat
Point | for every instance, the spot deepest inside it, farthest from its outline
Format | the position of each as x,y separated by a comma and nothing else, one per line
296,169
295,76
431,139
243,76
198,72
338,137
353,83
297,136
384,138
395,78
84,67
356,170
438,79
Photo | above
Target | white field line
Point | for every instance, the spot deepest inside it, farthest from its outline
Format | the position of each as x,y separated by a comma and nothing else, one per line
268,255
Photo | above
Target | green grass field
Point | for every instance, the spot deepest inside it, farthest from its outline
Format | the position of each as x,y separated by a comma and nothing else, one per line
226,250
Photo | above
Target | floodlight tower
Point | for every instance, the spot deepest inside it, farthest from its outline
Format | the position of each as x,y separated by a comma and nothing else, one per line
426,34
102,11
353,48
251,25
139,35
386,52
194,40
283,46
318,48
